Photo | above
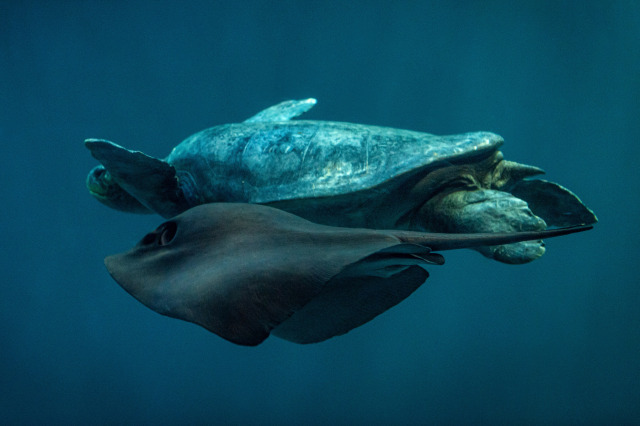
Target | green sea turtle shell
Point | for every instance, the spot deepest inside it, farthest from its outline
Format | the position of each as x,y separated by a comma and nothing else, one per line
260,162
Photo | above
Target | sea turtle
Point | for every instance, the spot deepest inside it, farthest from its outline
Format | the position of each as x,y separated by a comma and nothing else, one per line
343,174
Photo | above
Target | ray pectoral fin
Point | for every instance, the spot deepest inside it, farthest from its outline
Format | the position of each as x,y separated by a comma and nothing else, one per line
362,291
233,323
151,181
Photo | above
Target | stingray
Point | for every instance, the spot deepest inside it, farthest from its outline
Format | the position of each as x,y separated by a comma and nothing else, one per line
245,271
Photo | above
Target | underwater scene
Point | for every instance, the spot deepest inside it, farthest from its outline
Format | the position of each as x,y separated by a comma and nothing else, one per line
259,212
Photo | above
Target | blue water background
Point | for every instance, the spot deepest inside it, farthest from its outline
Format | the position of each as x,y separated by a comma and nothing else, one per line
556,341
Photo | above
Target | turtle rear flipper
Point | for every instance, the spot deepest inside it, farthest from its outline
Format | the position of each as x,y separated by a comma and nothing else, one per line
151,181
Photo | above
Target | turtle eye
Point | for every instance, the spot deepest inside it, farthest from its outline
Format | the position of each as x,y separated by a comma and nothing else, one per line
168,233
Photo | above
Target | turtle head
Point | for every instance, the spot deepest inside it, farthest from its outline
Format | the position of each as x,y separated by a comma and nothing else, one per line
106,190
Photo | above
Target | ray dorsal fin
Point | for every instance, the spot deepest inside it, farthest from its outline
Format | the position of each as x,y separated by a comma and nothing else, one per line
283,111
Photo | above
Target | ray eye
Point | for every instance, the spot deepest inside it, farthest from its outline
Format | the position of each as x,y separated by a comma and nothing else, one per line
168,233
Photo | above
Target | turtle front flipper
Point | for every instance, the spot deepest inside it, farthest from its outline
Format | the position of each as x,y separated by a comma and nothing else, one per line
283,111
151,181
495,195
555,204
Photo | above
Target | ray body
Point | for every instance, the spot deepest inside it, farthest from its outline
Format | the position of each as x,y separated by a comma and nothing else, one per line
245,271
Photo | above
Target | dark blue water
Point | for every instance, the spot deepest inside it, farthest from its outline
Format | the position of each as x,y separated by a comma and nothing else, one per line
555,341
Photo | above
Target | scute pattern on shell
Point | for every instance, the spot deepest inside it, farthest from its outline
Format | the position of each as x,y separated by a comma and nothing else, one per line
266,162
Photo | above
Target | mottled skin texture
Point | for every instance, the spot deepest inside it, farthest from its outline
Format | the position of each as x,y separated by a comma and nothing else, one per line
344,174
245,271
